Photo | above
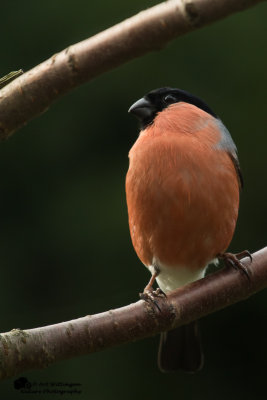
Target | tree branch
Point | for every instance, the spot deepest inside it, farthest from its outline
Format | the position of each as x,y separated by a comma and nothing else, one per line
21,350
33,92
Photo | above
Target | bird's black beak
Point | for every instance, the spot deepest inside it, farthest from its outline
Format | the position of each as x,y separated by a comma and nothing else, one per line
142,109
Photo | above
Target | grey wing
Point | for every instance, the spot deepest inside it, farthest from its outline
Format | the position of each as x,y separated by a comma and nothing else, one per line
235,160
228,145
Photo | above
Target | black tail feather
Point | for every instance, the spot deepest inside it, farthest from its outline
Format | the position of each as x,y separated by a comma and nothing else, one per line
180,349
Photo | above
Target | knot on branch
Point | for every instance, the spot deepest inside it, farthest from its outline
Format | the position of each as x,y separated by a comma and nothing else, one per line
191,13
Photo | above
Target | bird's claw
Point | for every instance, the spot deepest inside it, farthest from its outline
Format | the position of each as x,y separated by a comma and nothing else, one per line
233,260
159,293
151,295
243,254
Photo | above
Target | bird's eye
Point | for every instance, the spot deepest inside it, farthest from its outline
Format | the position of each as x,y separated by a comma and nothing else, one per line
169,99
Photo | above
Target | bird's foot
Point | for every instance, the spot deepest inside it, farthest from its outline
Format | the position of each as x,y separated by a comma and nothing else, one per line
151,295
233,261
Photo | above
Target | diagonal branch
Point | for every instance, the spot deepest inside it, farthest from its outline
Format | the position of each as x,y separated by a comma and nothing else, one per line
32,93
21,350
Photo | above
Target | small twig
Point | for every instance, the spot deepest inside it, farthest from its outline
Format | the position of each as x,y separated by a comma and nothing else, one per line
32,93
10,77
21,350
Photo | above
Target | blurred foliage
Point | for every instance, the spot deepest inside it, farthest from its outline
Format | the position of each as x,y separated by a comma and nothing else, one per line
65,249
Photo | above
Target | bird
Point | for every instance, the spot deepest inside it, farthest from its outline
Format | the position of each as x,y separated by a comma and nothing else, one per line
182,192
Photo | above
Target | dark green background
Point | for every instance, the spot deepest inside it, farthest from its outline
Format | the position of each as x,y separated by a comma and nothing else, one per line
65,249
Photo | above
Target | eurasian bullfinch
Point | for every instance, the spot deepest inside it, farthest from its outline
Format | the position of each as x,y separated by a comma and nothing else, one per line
182,190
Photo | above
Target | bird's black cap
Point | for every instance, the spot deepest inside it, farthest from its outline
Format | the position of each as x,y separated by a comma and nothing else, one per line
146,108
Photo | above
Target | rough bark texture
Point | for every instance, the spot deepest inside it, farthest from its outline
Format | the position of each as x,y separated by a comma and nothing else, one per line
21,350
33,92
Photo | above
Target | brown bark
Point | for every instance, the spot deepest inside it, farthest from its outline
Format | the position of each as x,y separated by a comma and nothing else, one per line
21,350
33,92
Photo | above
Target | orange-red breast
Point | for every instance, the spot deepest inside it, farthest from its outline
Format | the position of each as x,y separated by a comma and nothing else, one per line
182,190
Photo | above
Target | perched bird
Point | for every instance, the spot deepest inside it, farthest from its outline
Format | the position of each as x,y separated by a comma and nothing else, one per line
182,191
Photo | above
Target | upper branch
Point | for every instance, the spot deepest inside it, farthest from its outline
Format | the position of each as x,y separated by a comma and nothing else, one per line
21,350
33,92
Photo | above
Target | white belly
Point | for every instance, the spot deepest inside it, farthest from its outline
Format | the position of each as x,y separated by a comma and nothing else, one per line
171,278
